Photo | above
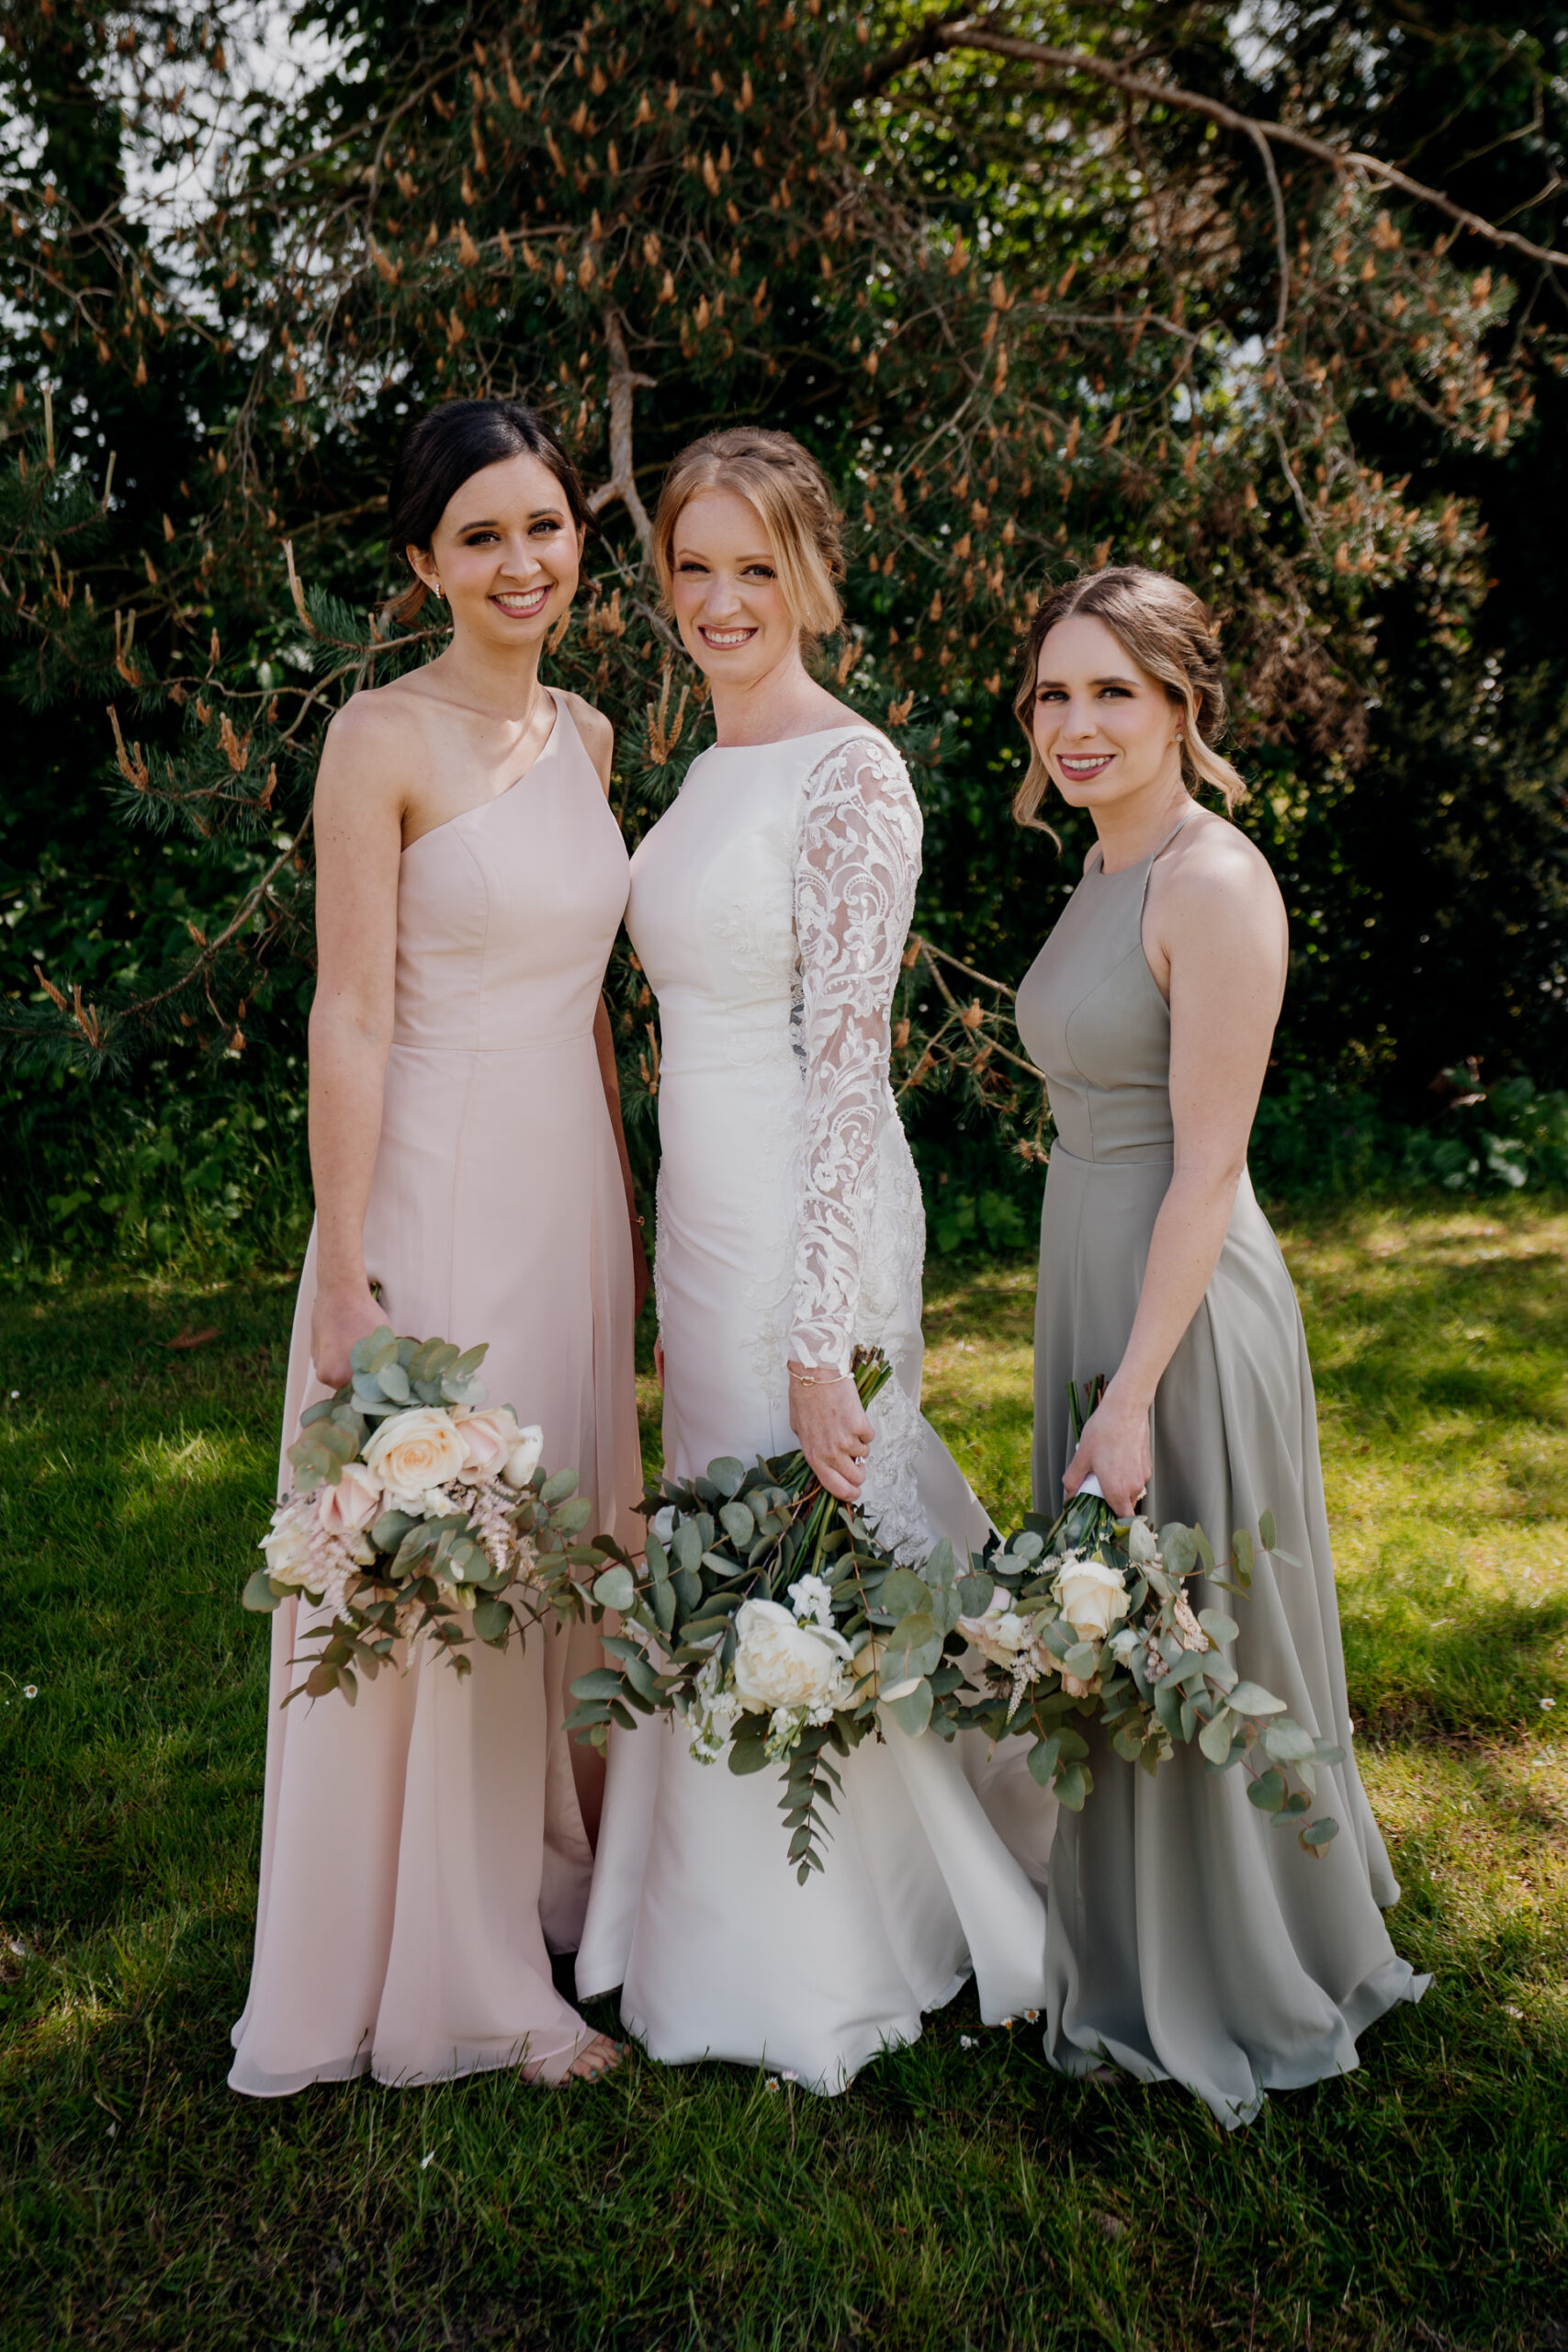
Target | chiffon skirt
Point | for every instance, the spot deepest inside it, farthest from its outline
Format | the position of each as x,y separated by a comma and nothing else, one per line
425,1850
1188,1936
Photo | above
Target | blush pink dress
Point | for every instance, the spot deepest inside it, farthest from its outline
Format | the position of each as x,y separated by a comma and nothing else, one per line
424,1851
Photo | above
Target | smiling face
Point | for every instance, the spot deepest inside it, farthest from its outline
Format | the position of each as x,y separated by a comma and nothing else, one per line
730,607
505,554
1105,727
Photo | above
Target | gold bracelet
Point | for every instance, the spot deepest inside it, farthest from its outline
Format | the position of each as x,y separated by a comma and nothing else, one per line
816,1379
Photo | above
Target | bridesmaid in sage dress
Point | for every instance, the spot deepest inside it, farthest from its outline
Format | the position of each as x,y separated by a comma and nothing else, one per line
424,1851
1188,1936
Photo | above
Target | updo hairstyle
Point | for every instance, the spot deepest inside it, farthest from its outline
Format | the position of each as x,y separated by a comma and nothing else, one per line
790,493
441,450
1166,631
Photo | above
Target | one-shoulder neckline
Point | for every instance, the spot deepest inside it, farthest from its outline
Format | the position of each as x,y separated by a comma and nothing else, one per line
480,806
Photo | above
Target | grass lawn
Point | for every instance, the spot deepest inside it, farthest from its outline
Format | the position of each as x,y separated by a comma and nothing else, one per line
961,2195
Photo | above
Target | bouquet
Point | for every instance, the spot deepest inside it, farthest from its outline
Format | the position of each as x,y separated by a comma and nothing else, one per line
413,1501
767,1615
1089,1616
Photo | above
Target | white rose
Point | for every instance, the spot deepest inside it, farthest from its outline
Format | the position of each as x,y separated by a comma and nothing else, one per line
781,1664
289,1547
491,1436
412,1451
524,1458
1091,1597
353,1504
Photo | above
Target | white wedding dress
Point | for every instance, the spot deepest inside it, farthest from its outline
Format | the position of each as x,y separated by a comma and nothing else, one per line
769,908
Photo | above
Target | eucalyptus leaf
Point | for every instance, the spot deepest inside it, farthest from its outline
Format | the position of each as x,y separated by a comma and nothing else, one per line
258,1593
1268,1792
492,1620
1215,1739
556,1489
975,1594
600,1682
1251,1699
904,1593
1265,1535
1218,1626
737,1523
911,1711
616,1588
1286,1742
1043,1759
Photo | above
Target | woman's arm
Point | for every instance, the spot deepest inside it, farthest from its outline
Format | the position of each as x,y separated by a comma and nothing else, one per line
859,863
1222,926
358,825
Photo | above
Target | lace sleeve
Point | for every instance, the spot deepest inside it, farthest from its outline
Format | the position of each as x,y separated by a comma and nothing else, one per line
854,890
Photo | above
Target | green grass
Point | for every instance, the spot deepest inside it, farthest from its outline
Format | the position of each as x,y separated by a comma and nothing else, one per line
956,2198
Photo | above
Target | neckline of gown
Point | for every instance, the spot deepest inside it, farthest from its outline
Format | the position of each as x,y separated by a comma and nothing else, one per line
787,742
1161,847
540,756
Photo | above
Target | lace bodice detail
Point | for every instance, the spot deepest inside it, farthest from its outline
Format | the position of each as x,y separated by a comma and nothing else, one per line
856,868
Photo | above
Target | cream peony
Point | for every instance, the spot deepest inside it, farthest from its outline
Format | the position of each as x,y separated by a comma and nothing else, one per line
1091,1597
353,1504
1001,1635
490,1435
779,1663
290,1548
410,1451
524,1458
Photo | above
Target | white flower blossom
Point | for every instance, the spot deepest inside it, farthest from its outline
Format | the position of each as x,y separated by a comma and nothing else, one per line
811,1598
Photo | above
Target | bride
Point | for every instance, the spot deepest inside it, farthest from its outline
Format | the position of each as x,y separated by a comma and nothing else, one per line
769,909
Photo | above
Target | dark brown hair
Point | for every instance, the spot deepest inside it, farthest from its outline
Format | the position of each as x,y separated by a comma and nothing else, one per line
1166,631
441,449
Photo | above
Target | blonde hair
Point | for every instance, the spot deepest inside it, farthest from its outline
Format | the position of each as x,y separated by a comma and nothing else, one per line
790,493
1166,631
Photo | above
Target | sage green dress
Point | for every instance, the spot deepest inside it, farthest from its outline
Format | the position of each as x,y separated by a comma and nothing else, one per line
1188,1937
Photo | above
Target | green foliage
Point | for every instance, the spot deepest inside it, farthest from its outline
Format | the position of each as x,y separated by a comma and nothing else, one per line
1010,365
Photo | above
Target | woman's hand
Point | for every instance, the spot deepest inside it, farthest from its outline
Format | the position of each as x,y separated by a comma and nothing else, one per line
1116,1446
658,1359
338,1318
835,1436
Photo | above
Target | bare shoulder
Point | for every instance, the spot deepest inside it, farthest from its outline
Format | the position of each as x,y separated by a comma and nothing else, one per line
372,750
1212,872
598,734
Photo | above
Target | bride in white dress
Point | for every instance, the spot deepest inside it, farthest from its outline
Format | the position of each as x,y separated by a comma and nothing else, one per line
769,909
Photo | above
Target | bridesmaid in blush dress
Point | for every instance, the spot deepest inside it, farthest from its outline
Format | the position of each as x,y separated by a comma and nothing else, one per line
425,1852
1189,1938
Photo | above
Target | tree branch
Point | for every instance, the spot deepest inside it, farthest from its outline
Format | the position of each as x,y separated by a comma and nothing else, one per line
944,35
622,483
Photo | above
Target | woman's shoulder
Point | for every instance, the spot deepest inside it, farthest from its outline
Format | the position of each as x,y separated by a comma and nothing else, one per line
858,759
376,737
598,734
1214,872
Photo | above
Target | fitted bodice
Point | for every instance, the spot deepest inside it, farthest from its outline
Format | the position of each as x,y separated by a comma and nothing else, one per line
712,910
1095,1025
769,909
506,914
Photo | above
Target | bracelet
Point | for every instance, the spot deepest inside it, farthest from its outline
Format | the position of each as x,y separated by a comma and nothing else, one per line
820,1380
